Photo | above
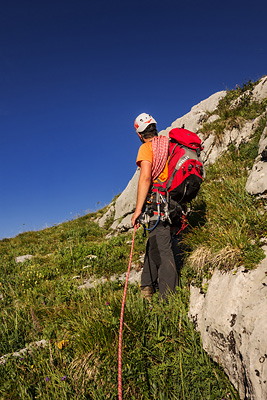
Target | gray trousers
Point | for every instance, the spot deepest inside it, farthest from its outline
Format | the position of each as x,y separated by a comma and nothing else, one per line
159,267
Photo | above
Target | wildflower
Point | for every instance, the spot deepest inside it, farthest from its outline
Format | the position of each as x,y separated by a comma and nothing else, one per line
107,303
32,366
61,344
64,378
48,378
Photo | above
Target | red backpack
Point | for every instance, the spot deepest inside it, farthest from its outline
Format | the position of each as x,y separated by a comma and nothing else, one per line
185,167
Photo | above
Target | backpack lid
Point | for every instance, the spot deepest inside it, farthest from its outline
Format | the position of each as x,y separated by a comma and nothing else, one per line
186,138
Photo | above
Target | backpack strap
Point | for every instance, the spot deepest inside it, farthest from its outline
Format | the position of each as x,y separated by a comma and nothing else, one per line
177,144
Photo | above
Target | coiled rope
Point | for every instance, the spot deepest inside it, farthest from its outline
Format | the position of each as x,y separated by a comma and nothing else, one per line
160,147
121,320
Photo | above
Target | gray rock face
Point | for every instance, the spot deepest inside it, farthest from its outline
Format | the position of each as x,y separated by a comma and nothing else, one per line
125,224
232,321
194,119
23,352
213,150
257,180
126,202
260,91
106,216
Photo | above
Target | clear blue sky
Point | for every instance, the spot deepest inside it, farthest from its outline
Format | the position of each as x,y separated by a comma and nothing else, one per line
75,74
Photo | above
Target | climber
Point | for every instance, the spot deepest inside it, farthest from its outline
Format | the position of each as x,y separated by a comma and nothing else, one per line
159,267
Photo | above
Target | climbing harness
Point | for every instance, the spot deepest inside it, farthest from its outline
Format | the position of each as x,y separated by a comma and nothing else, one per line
121,320
159,215
146,217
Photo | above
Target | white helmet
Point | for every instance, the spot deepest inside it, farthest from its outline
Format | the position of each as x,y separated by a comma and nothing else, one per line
143,121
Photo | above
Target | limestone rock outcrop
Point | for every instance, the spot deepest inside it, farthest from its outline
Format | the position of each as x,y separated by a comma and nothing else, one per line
231,318
106,216
257,180
213,150
125,205
195,118
21,259
260,90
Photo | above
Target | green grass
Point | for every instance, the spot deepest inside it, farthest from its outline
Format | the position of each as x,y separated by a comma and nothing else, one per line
162,354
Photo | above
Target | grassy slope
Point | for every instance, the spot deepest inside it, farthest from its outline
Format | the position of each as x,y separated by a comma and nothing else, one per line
162,355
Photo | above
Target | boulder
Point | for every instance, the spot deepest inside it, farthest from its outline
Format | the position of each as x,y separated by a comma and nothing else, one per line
257,180
231,318
260,90
125,224
23,258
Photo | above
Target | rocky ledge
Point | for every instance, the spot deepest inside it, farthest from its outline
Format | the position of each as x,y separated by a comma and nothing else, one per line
231,318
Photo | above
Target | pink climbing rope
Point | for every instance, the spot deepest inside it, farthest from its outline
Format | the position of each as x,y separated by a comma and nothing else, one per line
121,320
160,147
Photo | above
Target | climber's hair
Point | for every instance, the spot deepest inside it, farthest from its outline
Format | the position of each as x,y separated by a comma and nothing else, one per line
150,131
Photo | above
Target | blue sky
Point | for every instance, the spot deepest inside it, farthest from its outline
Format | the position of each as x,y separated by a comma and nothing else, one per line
75,74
